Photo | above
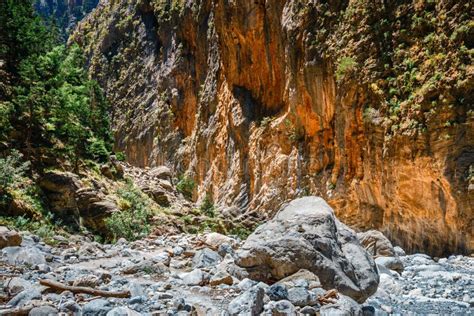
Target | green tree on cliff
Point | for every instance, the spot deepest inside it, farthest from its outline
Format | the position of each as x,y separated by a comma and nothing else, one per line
49,101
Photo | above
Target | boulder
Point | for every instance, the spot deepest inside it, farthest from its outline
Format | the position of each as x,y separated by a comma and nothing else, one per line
161,172
277,292
215,240
206,258
307,235
376,243
157,193
302,278
98,307
391,263
195,277
221,277
24,297
9,238
300,296
248,303
280,308
60,189
30,256
343,306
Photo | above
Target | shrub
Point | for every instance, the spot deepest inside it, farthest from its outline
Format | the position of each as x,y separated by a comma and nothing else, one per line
12,170
132,221
185,186
207,207
120,156
345,66
97,149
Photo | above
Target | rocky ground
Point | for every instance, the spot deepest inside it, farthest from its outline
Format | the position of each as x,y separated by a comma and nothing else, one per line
208,274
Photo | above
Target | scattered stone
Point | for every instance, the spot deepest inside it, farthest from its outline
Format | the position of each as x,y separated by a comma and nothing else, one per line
280,308
24,297
98,307
195,277
16,285
300,296
248,303
343,306
122,311
399,251
70,306
206,258
246,284
163,258
215,240
29,256
309,310
277,292
45,310
221,277
391,263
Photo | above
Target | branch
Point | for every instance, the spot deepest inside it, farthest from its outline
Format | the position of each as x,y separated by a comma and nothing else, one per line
82,289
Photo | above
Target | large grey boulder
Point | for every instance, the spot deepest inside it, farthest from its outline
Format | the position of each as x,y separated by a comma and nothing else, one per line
307,235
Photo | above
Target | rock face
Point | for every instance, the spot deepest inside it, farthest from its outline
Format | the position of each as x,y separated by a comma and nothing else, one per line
261,102
307,235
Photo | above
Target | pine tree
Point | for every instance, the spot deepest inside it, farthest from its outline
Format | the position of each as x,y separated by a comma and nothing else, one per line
53,104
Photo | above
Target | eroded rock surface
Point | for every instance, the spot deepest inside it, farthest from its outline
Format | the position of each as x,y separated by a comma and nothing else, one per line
260,102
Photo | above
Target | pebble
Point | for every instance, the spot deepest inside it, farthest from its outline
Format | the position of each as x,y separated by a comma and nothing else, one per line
202,281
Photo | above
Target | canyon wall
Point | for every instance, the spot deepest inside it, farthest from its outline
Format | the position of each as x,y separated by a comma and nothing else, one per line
368,104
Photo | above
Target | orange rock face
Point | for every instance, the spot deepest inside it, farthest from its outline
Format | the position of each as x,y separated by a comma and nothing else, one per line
254,101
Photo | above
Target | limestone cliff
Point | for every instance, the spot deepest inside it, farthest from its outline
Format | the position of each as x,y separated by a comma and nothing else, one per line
368,104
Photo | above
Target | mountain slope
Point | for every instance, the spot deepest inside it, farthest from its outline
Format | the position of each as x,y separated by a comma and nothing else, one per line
368,105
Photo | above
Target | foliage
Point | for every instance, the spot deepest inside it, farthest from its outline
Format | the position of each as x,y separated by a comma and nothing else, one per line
293,133
120,155
132,221
344,67
185,186
12,170
240,231
266,121
43,227
207,206
52,98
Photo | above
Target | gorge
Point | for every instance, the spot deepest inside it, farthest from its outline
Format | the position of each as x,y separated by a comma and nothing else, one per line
236,157
367,105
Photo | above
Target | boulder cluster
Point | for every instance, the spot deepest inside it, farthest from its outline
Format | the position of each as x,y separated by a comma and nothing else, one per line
302,262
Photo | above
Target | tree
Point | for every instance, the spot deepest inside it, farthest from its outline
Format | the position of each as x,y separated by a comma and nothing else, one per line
53,103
